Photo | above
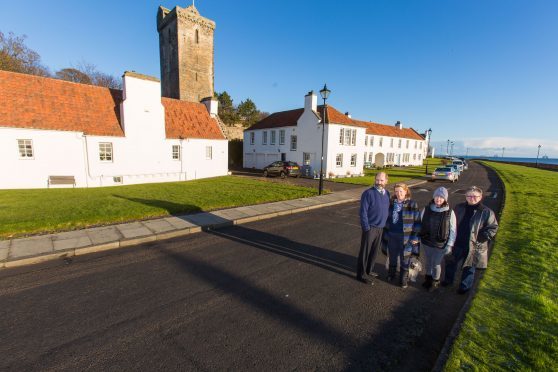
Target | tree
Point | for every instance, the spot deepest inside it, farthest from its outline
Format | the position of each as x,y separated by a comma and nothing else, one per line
17,57
227,111
72,74
248,112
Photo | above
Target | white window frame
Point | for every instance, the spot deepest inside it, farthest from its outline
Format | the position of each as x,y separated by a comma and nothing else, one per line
293,144
208,152
353,137
339,160
365,140
273,137
370,157
282,137
264,137
353,160
381,144
306,158
391,142
371,141
106,152
399,143
341,135
175,152
252,137
347,140
25,149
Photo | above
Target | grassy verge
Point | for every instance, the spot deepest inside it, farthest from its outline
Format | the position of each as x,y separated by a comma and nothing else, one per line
48,210
394,174
512,324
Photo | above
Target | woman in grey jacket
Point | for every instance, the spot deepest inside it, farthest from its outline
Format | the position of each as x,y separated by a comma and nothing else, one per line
438,228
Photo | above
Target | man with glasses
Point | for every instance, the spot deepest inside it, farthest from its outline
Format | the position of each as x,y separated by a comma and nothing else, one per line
476,227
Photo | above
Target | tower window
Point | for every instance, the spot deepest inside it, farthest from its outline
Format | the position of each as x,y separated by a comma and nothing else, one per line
197,37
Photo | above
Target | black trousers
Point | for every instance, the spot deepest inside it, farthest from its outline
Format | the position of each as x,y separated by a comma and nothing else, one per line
370,243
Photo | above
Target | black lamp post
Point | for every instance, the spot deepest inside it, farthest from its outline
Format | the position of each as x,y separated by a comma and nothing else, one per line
324,93
428,133
538,152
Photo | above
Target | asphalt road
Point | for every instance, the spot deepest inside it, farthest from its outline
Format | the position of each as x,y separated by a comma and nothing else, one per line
278,294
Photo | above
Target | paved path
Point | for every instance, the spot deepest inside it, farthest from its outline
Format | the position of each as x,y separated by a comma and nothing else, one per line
25,251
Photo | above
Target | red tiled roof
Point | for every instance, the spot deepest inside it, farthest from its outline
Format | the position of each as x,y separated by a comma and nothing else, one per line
290,118
28,101
189,120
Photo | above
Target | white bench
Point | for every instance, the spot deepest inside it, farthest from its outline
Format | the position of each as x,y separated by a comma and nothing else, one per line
61,180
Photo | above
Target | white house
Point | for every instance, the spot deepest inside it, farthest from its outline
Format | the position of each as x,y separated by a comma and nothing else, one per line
349,144
104,137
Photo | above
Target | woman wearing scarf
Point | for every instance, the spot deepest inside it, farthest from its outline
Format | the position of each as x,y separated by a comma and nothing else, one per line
402,230
437,236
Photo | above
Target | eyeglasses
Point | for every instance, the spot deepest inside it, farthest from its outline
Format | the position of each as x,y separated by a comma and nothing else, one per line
472,196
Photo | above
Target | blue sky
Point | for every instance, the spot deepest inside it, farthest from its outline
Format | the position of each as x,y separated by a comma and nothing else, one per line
483,74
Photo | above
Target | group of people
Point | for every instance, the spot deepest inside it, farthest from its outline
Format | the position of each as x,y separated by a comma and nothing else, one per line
456,236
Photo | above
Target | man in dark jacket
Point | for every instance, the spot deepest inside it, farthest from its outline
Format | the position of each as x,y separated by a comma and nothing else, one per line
374,205
476,227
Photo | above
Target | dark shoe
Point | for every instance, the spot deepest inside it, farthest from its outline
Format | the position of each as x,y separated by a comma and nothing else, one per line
462,291
391,273
427,281
434,286
445,284
404,278
365,281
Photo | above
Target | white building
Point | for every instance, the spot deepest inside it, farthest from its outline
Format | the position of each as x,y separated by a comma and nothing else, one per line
104,137
349,144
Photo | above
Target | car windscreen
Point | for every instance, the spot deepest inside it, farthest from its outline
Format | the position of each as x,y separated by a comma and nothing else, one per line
443,170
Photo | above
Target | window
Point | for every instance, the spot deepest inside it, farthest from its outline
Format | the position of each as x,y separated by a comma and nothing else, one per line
370,157
341,135
391,142
25,147
339,160
264,137
252,137
353,137
407,145
371,141
117,179
414,156
353,160
105,151
416,144
293,143
209,152
419,156
421,145
306,158
381,144
365,154
175,152
273,135
347,137
365,140
282,137
399,144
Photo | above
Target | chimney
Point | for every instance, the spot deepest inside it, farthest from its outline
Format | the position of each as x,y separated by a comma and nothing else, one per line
311,101
398,125
348,115
212,105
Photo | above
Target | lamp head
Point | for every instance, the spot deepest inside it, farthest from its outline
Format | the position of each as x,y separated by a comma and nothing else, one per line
325,92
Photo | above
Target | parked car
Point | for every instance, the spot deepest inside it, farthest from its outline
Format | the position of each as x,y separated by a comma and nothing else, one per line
456,169
444,173
460,164
282,169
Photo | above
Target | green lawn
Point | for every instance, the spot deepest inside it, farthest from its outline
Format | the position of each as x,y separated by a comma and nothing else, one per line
394,174
47,210
512,324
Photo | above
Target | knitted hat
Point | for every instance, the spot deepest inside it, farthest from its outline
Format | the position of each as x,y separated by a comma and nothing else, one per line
441,191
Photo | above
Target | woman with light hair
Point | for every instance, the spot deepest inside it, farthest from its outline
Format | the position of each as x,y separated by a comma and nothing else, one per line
401,232
437,235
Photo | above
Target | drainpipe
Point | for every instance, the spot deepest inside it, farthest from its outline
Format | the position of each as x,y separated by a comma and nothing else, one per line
87,170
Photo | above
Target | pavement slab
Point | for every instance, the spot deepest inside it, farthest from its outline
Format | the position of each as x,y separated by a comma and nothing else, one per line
102,235
71,240
230,214
31,247
179,222
159,225
4,247
133,230
206,219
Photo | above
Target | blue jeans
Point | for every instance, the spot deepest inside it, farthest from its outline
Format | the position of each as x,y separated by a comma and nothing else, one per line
467,274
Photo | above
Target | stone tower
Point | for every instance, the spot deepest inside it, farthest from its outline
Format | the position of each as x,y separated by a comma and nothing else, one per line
186,53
